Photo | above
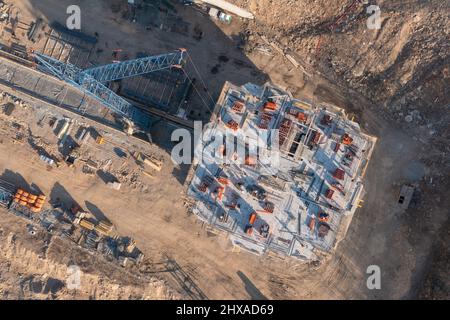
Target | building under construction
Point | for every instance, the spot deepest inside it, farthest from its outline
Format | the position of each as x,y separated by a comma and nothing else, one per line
294,206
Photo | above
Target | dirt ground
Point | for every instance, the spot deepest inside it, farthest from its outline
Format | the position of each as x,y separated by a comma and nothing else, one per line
406,245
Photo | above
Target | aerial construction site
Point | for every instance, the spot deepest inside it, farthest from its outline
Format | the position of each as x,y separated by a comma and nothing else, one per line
316,146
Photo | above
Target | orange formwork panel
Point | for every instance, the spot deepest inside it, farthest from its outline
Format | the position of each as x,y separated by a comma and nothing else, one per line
238,106
223,180
346,139
269,105
233,125
302,117
220,191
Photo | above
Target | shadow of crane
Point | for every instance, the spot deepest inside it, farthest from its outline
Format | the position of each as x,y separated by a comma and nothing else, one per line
182,279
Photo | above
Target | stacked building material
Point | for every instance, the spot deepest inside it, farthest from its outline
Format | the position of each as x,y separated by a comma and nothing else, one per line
86,224
31,201
104,227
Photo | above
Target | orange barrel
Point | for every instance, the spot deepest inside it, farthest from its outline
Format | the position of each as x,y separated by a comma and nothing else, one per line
35,209
19,191
23,203
39,205
25,194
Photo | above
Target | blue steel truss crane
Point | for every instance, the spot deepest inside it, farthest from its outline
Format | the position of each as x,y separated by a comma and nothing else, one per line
93,81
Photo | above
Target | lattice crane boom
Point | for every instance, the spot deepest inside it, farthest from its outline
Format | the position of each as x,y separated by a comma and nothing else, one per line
86,83
136,67
91,81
